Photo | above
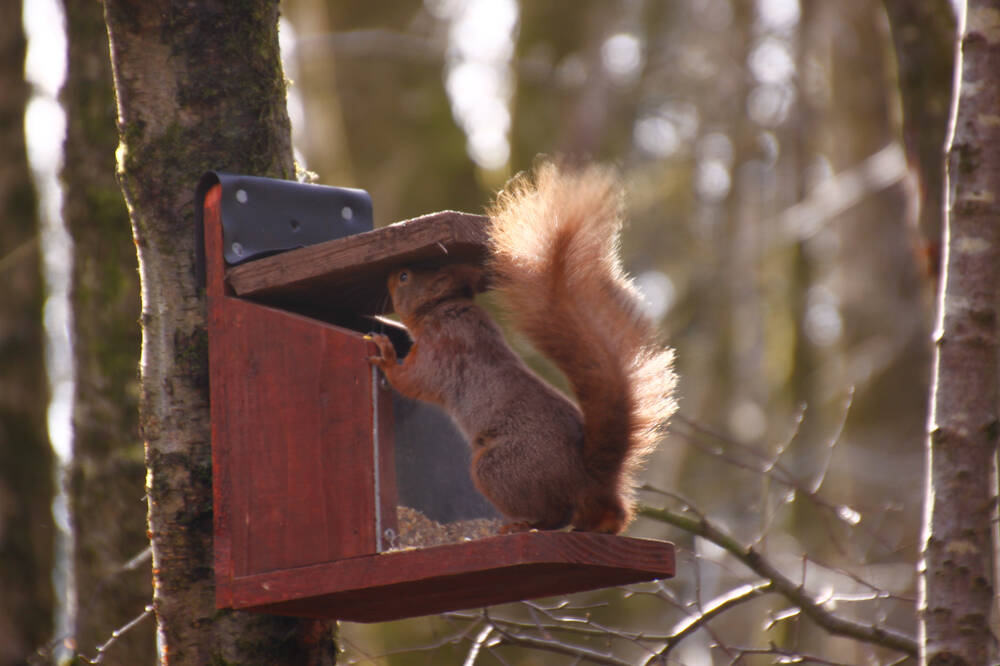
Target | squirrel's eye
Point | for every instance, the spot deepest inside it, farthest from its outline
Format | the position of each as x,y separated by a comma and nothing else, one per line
404,276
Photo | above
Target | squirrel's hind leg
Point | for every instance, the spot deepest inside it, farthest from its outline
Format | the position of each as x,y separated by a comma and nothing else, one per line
601,513
524,495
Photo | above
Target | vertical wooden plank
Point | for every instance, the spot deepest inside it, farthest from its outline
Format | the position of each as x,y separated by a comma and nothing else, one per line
300,430
228,340
292,432
308,517
265,418
221,480
227,356
345,443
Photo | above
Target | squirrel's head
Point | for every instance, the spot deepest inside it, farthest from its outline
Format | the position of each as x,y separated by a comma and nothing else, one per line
414,290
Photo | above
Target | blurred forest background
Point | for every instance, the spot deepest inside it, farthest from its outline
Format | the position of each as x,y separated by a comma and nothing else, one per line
784,195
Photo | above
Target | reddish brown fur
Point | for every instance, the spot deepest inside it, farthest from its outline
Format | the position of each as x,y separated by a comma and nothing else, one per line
540,460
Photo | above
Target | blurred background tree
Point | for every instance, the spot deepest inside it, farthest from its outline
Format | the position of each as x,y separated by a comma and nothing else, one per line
27,528
106,478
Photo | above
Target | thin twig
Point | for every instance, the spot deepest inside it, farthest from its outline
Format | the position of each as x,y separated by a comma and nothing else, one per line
118,633
841,191
832,442
786,655
145,555
22,251
716,607
477,644
770,468
556,647
792,591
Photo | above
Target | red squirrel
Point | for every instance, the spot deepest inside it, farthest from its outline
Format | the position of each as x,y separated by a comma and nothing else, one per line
544,462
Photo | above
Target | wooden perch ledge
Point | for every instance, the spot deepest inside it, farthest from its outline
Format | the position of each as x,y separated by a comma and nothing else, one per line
494,570
348,274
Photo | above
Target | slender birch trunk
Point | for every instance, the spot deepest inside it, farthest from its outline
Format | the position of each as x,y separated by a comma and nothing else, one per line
957,585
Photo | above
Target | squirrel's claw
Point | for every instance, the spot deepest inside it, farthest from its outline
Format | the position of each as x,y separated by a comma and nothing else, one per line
385,348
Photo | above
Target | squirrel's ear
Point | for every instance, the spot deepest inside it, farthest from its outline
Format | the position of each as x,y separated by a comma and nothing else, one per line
469,276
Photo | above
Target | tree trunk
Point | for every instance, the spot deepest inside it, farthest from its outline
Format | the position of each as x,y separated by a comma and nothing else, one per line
199,87
958,577
923,34
320,135
107,472
26,487
401,96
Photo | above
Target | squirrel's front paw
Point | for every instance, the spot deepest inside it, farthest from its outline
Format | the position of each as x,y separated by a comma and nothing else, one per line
385,348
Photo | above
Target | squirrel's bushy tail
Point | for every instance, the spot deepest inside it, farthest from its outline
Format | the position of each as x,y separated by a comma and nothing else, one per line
554,241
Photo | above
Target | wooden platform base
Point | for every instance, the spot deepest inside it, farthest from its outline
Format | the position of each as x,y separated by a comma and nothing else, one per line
424,581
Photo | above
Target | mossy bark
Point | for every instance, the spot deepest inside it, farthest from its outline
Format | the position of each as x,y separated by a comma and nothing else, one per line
26,488
107,473
199,87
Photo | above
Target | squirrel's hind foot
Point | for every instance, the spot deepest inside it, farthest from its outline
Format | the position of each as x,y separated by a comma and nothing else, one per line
510,528
525,526
607,516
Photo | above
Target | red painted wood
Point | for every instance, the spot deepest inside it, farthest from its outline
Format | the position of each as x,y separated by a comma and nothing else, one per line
300,414
466,575
348,274
292,418
222,510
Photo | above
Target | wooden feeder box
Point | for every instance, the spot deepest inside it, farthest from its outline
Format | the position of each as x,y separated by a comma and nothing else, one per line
335,497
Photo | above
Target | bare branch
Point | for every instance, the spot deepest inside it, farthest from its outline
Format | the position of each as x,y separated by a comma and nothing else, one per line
787,656
583,627
477,644
144,556
19,253
557,647
832,441
557,625
769,466
102,649
716,607
842,191
791,590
